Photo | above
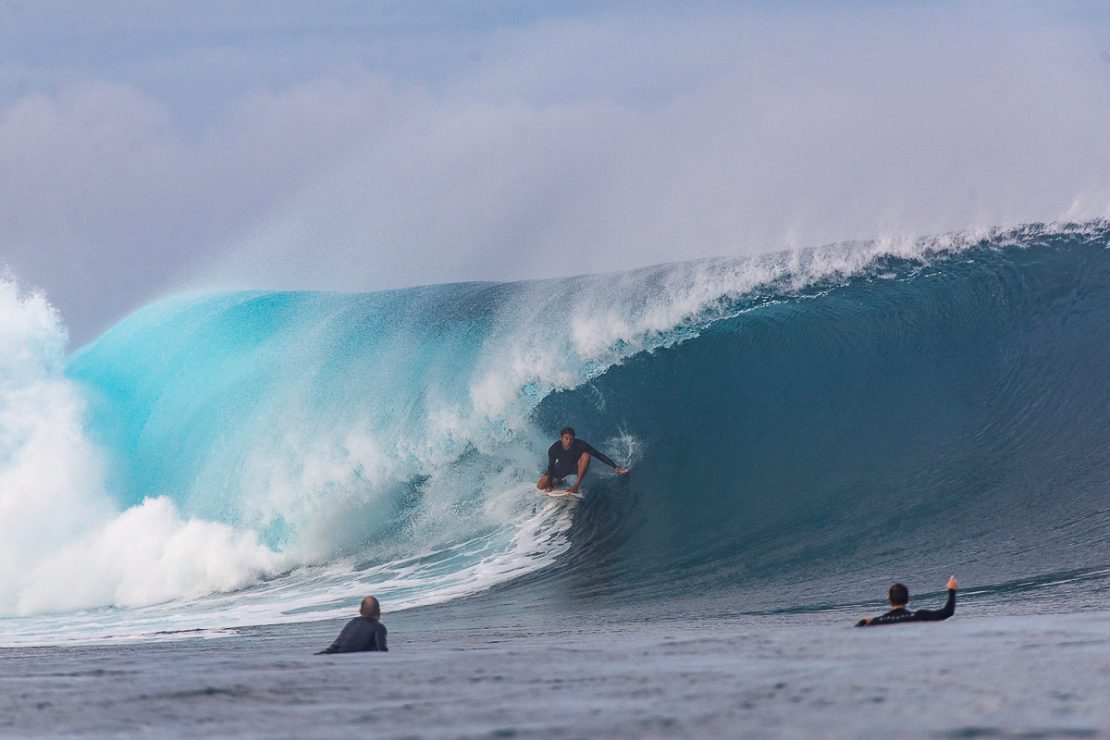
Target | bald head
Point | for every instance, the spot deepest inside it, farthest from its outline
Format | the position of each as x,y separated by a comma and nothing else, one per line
370,608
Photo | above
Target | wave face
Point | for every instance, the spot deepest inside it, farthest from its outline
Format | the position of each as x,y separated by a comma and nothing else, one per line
873,410
919,418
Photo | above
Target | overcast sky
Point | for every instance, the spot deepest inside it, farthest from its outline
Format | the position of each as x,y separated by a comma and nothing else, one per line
153,147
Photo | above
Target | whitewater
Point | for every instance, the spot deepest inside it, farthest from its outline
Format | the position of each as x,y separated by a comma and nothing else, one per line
804,428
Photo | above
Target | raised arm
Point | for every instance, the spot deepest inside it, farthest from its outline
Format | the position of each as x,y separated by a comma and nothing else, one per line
936,615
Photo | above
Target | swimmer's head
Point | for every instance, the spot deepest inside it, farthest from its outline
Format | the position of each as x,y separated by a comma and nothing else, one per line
370,608
899,595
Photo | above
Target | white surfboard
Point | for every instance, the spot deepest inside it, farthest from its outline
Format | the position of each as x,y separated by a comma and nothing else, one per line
564,493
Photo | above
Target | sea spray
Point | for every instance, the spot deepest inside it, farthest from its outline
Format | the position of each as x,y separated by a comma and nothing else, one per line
63,543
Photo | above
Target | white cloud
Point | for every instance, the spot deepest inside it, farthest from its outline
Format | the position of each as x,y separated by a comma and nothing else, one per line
551,147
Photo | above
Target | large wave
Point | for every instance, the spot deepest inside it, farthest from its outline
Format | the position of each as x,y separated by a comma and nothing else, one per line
261,456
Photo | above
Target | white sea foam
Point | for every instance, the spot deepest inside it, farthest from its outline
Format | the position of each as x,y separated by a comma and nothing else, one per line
64,545
328,591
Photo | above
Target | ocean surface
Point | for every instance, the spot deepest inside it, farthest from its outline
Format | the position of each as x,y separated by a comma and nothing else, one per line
219,478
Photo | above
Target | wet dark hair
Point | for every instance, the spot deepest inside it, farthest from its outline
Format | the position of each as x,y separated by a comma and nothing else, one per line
566,430
899,594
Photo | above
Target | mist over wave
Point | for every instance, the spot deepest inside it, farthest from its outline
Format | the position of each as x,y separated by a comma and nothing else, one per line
264,456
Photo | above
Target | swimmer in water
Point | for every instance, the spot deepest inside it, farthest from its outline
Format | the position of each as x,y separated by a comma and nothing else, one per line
364,633
900,596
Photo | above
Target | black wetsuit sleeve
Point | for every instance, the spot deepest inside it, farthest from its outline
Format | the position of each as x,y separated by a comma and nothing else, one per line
937,615
894,616
594,453
379,639
552,455
342,643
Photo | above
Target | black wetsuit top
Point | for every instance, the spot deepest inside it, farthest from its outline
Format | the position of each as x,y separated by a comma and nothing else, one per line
902,614
360,634
561,463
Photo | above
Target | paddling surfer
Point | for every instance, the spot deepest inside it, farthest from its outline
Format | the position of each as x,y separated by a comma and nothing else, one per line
571,456
900,596
364,633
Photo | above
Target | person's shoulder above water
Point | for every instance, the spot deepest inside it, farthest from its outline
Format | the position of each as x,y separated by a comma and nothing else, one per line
900,596
364,633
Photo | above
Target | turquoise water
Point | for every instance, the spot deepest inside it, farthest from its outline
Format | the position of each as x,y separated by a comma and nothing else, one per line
884,411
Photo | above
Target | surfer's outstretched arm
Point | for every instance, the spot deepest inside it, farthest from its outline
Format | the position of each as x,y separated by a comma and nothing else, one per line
937,615
594,452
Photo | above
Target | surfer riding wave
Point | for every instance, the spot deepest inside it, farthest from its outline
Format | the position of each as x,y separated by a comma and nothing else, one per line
571,456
